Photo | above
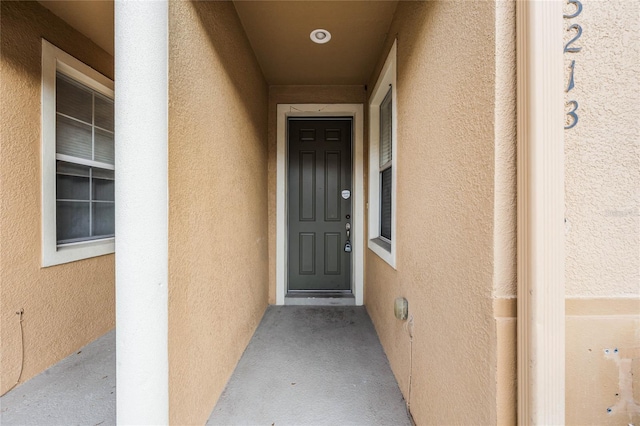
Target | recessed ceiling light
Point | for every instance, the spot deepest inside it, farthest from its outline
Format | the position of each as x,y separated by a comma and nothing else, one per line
320,36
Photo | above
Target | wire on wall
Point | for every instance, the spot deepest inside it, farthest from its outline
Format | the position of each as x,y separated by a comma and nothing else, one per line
19,313
408,326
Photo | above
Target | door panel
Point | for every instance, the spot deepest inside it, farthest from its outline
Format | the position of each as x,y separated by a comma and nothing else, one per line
319,172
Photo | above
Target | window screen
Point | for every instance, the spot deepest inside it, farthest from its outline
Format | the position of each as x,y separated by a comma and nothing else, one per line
385,130
385,166
84,170
385,204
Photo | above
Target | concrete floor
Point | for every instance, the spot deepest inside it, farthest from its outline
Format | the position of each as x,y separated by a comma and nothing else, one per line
305,365
309,365
79,390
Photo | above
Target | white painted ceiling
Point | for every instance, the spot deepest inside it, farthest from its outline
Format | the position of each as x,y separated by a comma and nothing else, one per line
279,35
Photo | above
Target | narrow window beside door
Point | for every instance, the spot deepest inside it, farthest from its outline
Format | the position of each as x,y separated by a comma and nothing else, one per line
382,162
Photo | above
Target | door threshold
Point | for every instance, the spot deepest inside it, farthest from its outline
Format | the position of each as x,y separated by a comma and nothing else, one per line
319,299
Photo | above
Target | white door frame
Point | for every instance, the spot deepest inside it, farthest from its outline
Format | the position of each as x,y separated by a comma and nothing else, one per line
356,111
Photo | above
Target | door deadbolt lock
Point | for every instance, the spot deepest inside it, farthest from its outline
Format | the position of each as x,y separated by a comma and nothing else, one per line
347,247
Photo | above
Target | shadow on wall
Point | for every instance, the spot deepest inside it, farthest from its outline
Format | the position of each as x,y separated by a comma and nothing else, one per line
221,27
18,46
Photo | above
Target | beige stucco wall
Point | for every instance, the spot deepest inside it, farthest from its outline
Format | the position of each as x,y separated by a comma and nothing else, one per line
602,167
296,95
603,153
505,214
446,213
65,306
218,253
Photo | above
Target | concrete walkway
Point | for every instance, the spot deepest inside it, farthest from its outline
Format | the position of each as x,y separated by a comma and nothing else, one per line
79,390
312,366
305,365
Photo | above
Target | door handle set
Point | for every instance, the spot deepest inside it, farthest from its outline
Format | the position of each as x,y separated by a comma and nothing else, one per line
347,245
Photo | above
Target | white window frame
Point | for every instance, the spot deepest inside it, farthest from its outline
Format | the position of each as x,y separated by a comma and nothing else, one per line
54,60
381,246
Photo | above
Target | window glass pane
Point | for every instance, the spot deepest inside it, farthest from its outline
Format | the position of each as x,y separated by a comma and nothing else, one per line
72,186
103,189
104,147
73,138
73,99
385,203
104,113
72,220
85,195
385,129
103,219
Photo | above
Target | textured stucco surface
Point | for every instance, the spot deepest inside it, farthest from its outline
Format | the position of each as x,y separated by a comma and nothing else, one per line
218,281
602,189
602,162
65,306
445,213
505,229
505,223
297,95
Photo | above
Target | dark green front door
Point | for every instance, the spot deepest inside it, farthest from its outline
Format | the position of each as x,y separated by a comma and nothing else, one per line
319,187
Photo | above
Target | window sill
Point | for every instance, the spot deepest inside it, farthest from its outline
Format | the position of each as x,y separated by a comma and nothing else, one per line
384,250
78,251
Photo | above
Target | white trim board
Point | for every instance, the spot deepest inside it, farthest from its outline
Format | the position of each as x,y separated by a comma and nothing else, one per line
541,234
321,110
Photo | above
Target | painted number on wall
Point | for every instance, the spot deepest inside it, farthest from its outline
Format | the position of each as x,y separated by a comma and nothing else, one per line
573,10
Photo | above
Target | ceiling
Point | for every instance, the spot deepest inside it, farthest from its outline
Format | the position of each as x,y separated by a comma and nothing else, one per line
279,34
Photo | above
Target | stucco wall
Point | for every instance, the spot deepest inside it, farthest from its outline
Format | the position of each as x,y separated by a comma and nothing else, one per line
297,95
445,213
65,306
505,213
603,153
218,253
602,168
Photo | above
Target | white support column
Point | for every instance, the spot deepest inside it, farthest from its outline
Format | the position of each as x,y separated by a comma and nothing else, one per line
541,298
141,111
